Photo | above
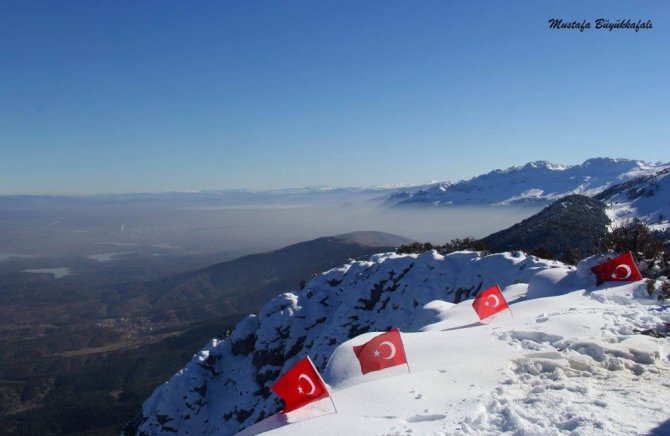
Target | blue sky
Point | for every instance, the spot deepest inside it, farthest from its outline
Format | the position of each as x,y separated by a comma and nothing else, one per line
127,96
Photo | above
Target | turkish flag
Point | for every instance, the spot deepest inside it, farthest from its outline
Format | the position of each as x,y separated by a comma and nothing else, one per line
382,351
489,302
619,269
301,385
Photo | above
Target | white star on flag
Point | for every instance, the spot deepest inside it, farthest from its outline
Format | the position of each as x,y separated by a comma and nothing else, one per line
382,351
300,385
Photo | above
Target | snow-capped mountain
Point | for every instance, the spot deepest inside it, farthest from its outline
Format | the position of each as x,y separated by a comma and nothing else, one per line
463,372
539,181
646,198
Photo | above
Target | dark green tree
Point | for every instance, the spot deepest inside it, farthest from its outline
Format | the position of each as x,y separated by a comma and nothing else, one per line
649,248
571,255
543,252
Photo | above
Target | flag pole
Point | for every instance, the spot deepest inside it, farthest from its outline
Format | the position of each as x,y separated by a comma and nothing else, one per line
323,382
409,371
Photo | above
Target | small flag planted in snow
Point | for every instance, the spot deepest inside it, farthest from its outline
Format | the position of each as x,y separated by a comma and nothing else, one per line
489,302
382,351
619,269
300,386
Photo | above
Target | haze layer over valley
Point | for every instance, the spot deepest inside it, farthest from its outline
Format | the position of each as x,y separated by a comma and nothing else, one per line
197,229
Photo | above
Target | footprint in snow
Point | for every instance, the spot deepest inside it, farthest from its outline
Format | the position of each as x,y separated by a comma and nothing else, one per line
425,418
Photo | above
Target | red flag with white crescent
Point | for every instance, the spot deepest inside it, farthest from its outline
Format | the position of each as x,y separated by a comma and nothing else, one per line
301,385
382,351
619,269
489,302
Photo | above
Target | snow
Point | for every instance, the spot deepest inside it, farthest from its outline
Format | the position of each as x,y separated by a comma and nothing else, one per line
648,200
566,358
538,181
569,364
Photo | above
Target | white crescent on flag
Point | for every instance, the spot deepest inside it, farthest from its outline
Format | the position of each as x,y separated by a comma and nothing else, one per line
311,383
391,349
496,301
628,273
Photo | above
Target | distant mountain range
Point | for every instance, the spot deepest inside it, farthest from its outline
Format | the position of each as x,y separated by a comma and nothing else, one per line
576,222
534,182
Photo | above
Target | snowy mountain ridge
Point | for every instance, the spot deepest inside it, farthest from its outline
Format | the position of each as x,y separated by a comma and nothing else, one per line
538,181
646,198
225,387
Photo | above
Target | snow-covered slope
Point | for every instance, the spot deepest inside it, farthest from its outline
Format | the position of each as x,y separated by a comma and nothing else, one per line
647,198
539,181
226,386
569,362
